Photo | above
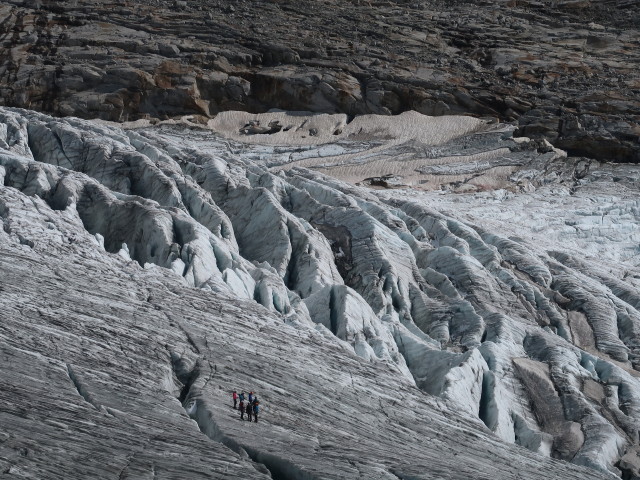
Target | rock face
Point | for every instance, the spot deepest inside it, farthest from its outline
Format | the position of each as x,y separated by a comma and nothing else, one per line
146,273
564,70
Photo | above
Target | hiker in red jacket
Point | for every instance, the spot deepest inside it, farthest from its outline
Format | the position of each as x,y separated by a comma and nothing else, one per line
235,399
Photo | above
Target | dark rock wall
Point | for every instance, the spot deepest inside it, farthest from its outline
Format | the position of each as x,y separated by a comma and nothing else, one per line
564,70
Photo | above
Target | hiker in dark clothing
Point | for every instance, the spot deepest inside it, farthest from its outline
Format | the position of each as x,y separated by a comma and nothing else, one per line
249,411
256,410
251,398
241,409
235,399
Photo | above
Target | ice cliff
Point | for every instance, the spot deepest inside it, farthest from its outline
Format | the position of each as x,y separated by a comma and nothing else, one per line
392,334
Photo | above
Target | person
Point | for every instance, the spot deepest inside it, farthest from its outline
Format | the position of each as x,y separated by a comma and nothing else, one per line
250,398
242,397
235,399
256,409
241,409
249,411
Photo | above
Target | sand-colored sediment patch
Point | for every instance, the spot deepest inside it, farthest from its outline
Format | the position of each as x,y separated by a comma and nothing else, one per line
304,128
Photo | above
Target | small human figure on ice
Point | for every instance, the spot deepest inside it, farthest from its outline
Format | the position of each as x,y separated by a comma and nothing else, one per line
249,411
241,408
235,399
256,410
250,397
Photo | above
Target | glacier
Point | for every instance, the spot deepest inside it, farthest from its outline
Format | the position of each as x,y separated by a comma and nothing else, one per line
410,296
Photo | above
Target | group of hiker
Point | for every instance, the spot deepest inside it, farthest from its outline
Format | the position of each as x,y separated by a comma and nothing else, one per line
251,407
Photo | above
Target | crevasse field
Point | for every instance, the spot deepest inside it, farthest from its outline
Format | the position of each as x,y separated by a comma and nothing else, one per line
411,298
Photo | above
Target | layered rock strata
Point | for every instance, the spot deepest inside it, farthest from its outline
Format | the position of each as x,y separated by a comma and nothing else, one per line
564,70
